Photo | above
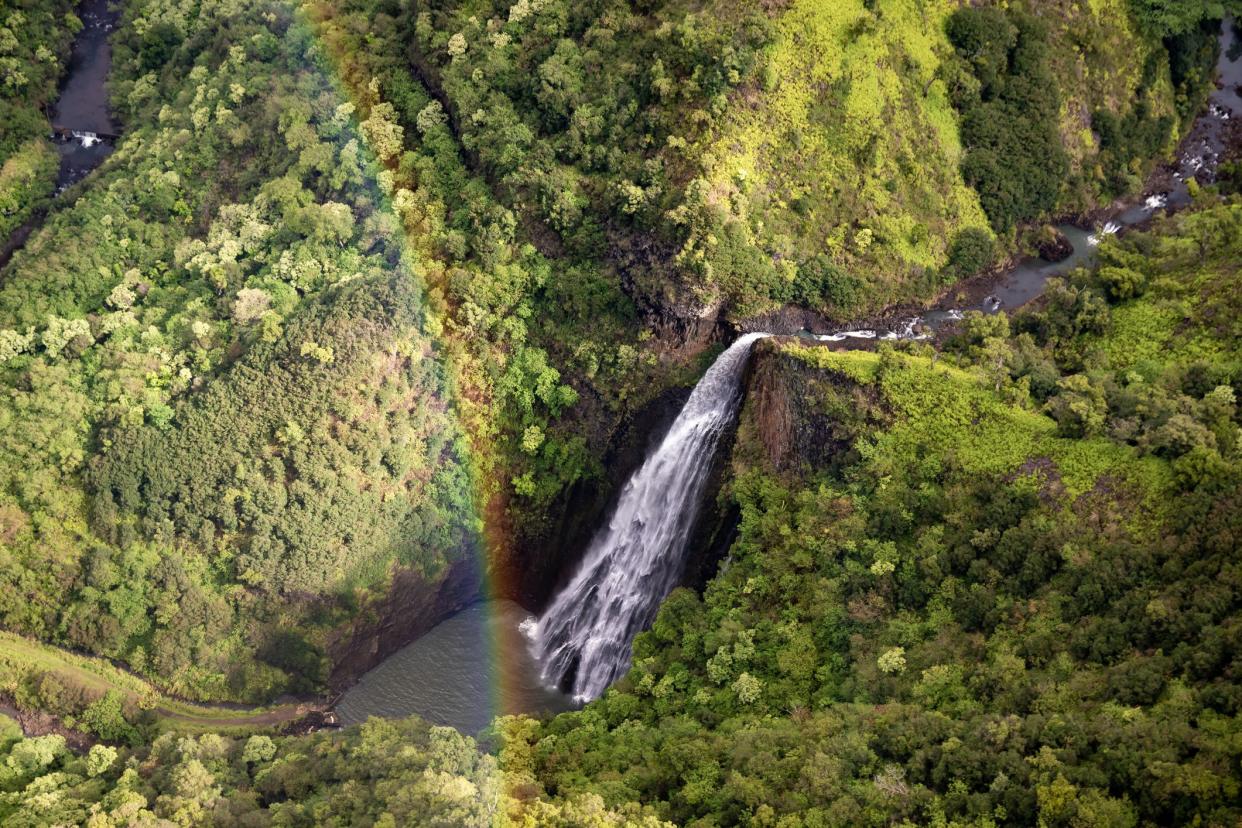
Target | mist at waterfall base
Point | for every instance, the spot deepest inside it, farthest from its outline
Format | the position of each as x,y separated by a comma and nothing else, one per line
583,639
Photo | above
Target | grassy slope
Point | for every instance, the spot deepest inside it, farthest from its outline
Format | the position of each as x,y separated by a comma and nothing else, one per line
939,405
22,658
850,132
1190,310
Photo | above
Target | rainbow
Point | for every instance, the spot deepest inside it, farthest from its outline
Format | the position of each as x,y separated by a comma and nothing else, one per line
494,642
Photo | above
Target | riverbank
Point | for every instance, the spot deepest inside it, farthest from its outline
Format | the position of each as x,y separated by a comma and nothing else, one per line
77,120
1214,135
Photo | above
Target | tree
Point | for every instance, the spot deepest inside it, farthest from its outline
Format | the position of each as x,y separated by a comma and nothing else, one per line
1171,17
1079,407
100,759
258,749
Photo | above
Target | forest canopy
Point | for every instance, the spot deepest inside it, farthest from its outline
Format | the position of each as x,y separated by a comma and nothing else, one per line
376,302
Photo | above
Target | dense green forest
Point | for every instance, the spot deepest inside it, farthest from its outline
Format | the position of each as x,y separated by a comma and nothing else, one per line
369,289
34,45
311,321
1005,593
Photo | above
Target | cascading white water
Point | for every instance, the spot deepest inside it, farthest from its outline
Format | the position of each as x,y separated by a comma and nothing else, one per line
634,563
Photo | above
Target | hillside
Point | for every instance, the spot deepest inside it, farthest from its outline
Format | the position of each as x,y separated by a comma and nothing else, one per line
810,153
307,292
1003,592
376,305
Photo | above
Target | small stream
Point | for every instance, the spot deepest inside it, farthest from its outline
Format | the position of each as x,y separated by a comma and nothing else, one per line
1200,155
83,104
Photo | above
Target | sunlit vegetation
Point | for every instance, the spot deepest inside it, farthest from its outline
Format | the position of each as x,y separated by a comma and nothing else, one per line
1010,598
27,179
369,282
840,164
223,394
92,696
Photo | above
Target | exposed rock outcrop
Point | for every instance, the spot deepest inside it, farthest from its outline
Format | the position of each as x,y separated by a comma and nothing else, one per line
798,417
1053,246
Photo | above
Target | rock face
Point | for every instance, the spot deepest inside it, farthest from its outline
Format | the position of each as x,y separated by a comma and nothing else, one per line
411,607
543,562
664,296
798,417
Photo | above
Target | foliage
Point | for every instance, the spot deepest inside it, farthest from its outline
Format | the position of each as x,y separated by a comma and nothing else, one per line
984,617
973,251
1009,100
284,342
34,46
149,323
1174,17
27,178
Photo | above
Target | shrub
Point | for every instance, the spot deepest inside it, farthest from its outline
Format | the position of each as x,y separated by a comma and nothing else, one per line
1122,282
973,251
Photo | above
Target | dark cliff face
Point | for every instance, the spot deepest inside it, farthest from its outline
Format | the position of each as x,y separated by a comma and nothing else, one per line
408,609
543,561
797,418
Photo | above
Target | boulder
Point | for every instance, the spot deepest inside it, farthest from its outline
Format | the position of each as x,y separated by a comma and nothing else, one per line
1053,246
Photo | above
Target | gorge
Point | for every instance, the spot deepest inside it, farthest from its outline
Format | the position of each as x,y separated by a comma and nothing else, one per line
623,414
581,642
82,127
583,639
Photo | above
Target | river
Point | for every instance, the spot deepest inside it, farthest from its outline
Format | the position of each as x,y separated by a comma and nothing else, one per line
83,103
81,108
1199,156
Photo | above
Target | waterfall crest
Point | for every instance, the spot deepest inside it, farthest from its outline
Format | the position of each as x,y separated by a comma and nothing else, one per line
633,564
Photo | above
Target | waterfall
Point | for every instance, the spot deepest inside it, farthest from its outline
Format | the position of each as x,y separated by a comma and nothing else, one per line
635,562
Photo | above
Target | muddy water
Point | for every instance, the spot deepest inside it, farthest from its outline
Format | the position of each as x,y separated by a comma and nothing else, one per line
469,668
